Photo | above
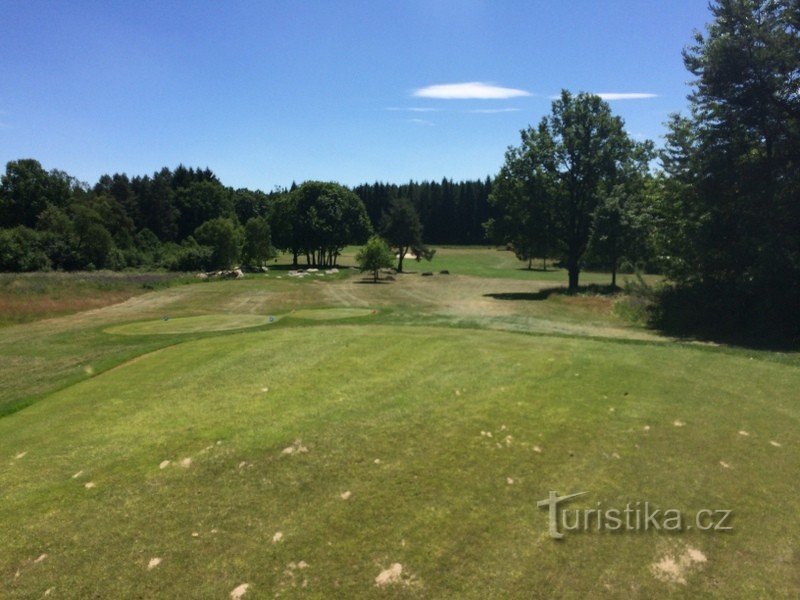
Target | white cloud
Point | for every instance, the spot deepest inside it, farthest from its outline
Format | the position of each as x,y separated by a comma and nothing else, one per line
625,96
491,111
469,90
414,109
420,122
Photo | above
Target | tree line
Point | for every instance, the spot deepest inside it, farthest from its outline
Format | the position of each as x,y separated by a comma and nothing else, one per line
186,219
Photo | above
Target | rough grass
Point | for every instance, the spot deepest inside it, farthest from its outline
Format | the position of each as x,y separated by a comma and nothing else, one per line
26,297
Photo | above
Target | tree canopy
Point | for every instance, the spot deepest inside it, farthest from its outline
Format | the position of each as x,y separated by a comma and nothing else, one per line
551,186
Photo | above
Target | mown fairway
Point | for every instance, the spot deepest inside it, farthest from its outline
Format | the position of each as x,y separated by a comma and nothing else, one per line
415,422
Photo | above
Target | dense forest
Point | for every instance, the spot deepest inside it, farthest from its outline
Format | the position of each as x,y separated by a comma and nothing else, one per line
176,219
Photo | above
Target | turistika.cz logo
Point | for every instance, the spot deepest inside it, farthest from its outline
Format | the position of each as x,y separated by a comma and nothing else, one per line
637,516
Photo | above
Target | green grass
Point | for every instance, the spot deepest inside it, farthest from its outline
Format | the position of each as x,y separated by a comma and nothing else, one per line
202,323
330,314
411,374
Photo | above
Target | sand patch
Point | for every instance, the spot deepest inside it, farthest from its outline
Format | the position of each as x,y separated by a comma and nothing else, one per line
265,389
487,434
277,537
186,462
377,461
675,569
774,443
78,474
537,449
724,465
390,576
678,423
239,591
163,464
20,455
154,562
647,428
346,495
40,559
743,432
510,480
296,448
89,485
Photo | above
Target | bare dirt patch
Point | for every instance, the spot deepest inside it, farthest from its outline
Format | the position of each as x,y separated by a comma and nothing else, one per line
676,567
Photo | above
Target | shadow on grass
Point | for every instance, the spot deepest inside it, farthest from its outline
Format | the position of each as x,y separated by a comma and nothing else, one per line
750,316
592,289
373,282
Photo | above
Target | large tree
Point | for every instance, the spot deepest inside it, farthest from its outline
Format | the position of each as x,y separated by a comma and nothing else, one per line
224,237
403,231
257,247
327,217
564,168
26,189
522,194
731,204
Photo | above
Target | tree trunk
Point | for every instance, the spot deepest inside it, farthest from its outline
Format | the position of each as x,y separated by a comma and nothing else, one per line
400,260
530,263
614,274
375,276
574,272
544,264
294,258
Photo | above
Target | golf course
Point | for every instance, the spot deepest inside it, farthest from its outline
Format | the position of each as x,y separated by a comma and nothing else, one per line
329,437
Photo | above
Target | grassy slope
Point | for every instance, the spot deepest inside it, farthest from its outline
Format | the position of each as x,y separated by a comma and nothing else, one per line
384,387
439,502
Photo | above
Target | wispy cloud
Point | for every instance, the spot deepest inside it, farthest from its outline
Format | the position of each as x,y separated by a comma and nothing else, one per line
469,91
491,111
417,109
626,96
421,122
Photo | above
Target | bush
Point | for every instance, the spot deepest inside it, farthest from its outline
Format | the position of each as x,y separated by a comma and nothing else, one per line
752,315
191,257
21,250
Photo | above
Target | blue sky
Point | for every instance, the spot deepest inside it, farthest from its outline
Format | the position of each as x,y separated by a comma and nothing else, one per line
266,93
